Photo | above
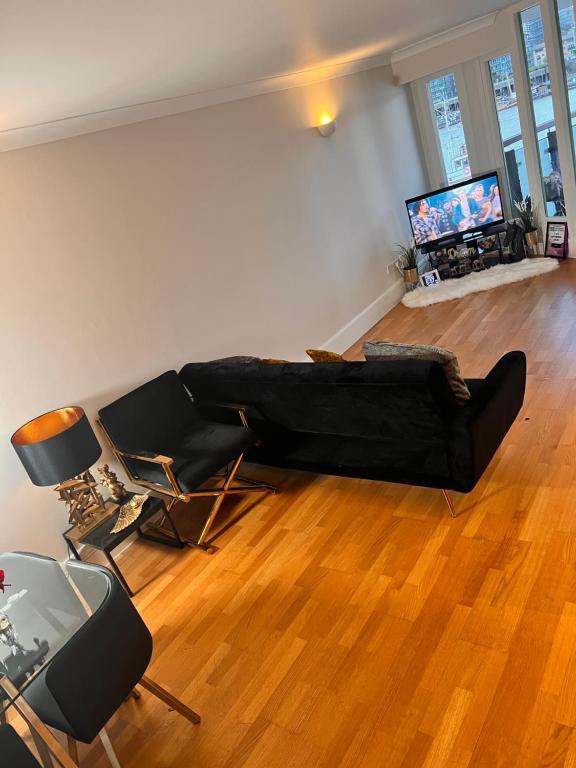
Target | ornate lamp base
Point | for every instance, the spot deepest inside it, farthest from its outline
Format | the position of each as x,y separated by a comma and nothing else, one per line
85,505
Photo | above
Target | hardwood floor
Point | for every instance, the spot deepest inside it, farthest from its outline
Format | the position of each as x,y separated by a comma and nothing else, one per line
353,623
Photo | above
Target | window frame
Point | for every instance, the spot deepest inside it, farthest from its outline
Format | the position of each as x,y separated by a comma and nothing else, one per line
433,157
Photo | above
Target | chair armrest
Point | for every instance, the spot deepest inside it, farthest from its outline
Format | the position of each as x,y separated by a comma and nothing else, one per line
139,455
211,411
477,430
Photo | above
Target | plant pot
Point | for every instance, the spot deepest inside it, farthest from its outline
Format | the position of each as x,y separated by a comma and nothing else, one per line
532,240
410,278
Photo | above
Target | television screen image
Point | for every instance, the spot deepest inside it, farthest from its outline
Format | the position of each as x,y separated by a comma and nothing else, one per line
465,207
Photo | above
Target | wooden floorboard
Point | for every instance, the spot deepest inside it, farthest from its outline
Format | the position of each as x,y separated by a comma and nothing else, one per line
353,623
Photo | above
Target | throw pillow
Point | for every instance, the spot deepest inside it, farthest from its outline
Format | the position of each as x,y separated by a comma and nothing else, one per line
273,361
322,356
386,350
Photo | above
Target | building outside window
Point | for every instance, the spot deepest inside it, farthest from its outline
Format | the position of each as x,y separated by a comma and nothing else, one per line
450,130
536,58
567,27
504,92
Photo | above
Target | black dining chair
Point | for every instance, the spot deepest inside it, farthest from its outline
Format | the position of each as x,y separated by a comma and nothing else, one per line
13,751
98,669
165,445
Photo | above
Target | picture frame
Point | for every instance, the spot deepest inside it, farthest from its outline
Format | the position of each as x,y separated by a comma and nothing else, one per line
428,279
556,243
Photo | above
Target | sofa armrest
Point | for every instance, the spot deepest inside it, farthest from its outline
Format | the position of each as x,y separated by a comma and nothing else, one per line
477,430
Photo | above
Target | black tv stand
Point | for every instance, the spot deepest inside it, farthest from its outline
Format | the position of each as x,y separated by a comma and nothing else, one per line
458,255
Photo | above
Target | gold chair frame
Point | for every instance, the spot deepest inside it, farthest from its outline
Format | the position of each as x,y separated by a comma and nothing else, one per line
228,485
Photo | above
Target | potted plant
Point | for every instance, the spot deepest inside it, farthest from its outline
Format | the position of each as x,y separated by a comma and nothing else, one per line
407,263
530,221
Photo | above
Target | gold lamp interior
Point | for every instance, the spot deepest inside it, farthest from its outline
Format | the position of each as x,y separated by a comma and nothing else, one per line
48,425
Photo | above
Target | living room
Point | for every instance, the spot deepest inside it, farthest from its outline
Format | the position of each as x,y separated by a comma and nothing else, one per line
387,578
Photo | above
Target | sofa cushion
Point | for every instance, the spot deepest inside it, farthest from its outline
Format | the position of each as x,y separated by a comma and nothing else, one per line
387,350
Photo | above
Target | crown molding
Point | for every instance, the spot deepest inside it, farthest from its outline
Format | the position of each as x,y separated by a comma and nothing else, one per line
76,125
443,38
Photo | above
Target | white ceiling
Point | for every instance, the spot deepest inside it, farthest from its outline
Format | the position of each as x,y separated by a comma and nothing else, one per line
64,58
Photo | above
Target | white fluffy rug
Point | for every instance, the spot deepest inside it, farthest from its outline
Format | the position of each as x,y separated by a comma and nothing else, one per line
502,274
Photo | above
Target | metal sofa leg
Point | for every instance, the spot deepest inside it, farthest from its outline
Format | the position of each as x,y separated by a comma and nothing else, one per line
449,502
107,744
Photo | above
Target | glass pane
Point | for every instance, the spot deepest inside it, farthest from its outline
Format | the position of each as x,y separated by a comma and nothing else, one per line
542,109
504,90
565,10
42,607
448,121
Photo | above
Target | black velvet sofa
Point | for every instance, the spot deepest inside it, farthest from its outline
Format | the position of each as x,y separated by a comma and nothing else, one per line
396,421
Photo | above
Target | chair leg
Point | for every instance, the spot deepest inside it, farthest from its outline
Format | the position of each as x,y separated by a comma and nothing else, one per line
449,502
218,501
73,749
134,694
257,484
107,744
42,749
168,698
44,739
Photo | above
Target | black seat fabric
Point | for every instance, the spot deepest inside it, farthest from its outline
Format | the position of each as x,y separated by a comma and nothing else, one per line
392,420
92,675
207,448
13,752
160,417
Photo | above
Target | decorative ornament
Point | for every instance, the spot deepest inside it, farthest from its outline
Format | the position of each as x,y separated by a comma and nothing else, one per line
109,480
129,512
82,499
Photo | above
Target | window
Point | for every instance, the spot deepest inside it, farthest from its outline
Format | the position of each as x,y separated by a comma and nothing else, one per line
504,91
542,109
567,27
448,123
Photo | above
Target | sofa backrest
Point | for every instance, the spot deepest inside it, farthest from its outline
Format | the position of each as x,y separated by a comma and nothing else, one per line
389,401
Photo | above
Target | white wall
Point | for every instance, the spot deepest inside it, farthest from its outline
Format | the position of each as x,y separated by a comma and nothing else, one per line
234,229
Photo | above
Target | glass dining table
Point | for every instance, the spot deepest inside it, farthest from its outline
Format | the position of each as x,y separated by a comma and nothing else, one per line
43,604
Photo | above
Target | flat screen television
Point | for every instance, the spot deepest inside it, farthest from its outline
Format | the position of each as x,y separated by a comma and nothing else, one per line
469,206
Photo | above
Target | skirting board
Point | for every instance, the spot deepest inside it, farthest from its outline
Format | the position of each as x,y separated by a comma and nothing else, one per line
366,319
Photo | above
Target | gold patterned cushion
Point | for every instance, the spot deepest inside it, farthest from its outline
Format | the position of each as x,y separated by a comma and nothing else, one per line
387,350
273,361
323,356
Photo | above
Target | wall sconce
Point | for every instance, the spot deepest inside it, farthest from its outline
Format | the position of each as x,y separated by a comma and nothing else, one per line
327,126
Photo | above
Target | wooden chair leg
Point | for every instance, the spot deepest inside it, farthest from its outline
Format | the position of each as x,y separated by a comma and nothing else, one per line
42,749
172,701
45,740
107,744
73,749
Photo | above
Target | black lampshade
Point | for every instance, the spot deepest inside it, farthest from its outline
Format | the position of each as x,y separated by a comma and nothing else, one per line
57,446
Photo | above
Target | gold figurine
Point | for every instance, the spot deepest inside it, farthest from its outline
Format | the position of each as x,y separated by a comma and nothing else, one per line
109,480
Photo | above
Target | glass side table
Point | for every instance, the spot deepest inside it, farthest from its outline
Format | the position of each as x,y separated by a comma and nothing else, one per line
102,539
41,610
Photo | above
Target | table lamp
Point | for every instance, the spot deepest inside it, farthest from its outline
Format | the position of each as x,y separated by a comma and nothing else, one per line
58,448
